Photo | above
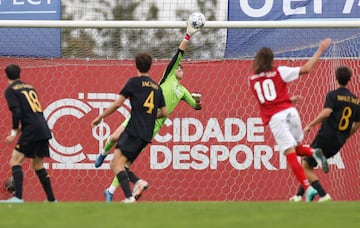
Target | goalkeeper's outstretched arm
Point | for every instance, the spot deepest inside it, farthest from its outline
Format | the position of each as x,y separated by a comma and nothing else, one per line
174,63
190,31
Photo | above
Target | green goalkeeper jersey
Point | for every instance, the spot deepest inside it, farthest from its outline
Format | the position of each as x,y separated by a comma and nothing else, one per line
172,90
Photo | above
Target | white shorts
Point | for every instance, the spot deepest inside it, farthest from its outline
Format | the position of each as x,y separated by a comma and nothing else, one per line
286,128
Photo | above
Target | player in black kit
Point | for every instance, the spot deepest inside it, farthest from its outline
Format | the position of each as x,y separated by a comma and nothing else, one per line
27,121
147,104
340,119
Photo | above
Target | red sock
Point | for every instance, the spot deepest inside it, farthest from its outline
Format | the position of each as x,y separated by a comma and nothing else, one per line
304,150
298,170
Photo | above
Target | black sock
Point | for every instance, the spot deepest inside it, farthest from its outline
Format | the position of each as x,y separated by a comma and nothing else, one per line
301,191
132,177
46,184
18,180
123,179
316,184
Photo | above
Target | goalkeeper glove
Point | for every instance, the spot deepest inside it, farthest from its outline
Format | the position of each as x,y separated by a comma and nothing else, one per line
190,30
196,97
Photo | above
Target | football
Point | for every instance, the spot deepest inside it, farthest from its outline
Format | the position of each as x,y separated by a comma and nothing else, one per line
197,20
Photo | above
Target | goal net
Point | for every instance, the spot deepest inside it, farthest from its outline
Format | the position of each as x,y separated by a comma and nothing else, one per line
222,152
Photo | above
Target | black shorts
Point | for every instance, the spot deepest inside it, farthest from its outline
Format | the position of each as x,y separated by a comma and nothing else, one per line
31,149
329,148
131,146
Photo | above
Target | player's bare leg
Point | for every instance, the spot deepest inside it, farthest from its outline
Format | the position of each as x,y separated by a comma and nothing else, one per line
16,161
118,167
315,183
139,185
299,172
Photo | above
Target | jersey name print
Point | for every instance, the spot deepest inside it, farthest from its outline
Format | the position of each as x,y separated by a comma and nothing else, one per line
23,100
271,91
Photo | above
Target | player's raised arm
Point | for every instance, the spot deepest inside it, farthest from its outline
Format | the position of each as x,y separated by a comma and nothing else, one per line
175,61
190,31
324,114
323,46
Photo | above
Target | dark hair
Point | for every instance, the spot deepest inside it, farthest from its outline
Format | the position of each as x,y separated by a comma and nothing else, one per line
12,71
343,75
263,60
143,62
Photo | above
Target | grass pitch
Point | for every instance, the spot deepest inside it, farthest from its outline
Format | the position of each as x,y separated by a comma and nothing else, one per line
181,214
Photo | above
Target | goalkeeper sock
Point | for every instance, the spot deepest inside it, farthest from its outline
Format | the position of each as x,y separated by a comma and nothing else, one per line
114,185
123,179
18,176
297,169
304,150
46,184
107,147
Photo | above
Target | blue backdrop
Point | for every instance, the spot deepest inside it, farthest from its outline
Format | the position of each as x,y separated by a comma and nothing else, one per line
290,42
32,42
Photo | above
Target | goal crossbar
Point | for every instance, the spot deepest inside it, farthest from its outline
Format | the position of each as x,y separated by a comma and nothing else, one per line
179,24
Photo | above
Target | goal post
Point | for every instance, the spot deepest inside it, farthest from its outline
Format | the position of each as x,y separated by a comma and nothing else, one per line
222,152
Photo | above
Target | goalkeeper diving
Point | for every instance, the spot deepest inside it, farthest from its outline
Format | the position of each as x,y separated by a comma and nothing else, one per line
173,92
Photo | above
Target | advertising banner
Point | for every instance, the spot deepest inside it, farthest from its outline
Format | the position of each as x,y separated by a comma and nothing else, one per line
245,42
35,42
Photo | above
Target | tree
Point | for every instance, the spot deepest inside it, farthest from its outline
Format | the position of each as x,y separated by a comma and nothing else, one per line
124,43
76,42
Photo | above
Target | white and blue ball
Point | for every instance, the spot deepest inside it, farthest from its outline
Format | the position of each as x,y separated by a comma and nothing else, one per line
197,20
